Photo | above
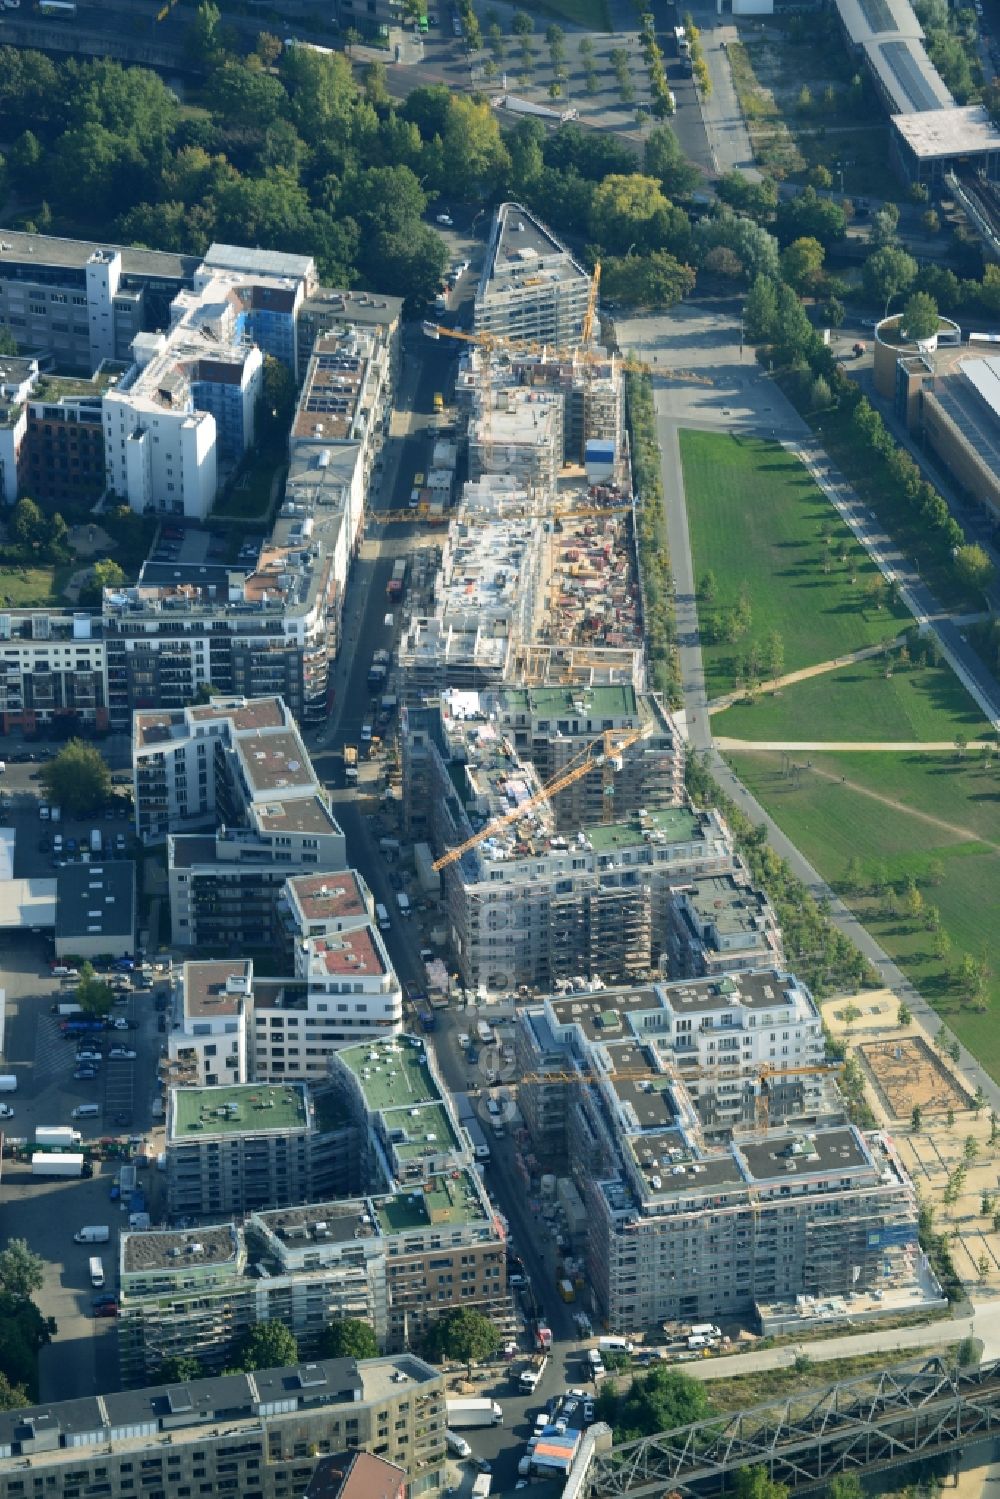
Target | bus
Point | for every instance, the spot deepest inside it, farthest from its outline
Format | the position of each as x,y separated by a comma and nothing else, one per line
63,8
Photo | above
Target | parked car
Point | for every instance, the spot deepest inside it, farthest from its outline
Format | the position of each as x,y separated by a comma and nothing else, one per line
124,1053
6,1112
446,218
107,1308
84,1074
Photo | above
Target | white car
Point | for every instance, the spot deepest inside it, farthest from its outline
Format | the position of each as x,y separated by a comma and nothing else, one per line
6,1112
445,219
124,1052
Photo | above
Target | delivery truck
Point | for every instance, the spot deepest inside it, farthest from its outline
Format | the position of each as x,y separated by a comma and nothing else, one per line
532,1372
8,1083
474,1413
61,1135
395,585
92,1233
69,1163
96,1271
350,762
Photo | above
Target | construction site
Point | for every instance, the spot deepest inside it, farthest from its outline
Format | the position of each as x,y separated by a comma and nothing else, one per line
951,1156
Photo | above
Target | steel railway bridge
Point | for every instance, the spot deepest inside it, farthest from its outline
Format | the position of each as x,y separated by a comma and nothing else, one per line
888,1418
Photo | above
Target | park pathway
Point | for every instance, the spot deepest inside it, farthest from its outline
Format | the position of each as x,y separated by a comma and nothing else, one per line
967,835
729,699
850,746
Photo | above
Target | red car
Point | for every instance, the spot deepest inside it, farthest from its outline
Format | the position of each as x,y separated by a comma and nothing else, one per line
107,1308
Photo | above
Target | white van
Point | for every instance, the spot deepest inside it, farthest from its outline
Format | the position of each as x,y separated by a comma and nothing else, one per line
382,917
614,1345
96,1270
93,1233
85,1111
457,1445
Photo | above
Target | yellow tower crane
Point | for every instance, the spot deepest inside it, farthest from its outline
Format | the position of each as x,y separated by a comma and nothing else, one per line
611,746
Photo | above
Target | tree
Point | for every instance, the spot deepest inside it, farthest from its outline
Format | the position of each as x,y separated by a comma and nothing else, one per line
656,280
920,317
77,779
760,310
268,1345
845,1486
904,1015
347,1337
178,1369
802,263
663,159
754,1483
887,273
971,1148
810,215
974,568
758,199
276,401
92,993
820,394
521,23
22,1271
105,573
28,525
662,1400
708,588
916,1118
774,655
968,1352
12,1396
202,39
983,1265
885,223
463,1333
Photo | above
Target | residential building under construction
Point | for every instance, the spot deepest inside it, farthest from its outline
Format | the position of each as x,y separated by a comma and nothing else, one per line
687,1223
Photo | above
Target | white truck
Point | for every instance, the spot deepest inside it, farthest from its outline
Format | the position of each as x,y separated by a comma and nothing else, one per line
481,1486
61,1135
69,1163
92,1233
474,1413
8,1083
530,1375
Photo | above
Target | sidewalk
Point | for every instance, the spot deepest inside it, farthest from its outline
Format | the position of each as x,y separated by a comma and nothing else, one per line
891,1341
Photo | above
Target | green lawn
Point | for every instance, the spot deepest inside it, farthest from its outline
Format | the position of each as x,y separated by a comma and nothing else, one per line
33,587
901,521
831,822
756,517
857,702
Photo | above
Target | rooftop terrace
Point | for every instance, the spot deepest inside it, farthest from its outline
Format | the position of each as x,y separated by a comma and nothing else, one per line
244,1108
451,1201
391,1074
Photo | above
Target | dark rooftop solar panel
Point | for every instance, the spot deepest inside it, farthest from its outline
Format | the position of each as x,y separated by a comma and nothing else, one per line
906,70
878,15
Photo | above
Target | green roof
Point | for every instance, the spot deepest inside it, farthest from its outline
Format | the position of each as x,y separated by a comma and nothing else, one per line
452,1201
244,1108
677,824
55,387
604,702
429,1119
392,1074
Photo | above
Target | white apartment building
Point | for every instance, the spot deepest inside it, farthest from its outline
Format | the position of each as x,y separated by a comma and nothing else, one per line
348,993
185,407
530,287
214,763
208,1042
52,662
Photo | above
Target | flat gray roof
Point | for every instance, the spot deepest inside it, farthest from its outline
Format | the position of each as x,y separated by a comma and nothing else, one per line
267,262
73,254
800,1154
936,134
96,899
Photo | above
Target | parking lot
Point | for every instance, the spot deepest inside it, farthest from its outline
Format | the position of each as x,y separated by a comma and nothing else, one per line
52,1079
